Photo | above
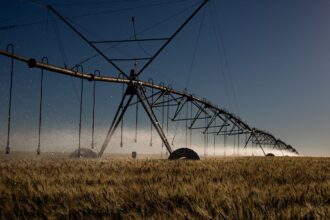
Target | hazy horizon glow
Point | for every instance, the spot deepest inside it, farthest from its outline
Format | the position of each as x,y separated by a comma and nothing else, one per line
68,142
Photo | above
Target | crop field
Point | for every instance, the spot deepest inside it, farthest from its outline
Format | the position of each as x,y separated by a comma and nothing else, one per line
215,188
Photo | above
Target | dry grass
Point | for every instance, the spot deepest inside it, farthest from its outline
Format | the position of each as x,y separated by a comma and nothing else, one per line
231,188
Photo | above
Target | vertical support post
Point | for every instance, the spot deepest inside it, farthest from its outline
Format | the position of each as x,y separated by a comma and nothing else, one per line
10,47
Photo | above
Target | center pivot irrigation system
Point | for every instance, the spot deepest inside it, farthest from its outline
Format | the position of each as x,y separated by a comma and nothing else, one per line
200,114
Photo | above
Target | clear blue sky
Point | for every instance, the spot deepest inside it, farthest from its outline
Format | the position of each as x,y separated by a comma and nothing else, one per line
277,51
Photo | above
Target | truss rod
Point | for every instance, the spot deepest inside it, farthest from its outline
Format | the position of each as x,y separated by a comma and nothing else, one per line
126,41
172,37
115,122
130,59
188,119
147,107
85,39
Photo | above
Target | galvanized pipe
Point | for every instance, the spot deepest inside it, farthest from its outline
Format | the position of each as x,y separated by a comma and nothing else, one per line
233,118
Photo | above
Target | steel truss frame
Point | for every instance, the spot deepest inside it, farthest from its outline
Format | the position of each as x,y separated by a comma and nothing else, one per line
219,118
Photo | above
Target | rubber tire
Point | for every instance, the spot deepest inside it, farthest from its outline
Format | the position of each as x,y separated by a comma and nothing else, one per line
184,153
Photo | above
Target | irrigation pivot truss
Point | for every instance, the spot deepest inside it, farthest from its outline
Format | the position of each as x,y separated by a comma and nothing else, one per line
198,114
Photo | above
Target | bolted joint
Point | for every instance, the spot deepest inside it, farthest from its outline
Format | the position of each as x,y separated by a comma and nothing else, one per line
32,63
91,77
132,75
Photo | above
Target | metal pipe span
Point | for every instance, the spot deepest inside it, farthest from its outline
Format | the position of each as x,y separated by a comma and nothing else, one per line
32,63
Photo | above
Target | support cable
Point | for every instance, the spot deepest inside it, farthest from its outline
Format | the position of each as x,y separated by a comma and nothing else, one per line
85,39
137,41
218,47
142,31
47,21
171,38
36,3
195,50
83,15
64,59
100,2
60,44
149,5
225,56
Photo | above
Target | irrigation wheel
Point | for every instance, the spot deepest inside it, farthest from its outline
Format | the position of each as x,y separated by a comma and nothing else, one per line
184,153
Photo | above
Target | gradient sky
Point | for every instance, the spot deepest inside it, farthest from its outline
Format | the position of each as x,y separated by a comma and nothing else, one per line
277,51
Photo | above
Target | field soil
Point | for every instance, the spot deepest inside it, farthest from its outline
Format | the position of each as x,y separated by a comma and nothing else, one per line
53,186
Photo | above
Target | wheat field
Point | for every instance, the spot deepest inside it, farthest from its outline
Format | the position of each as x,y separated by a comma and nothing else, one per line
217,188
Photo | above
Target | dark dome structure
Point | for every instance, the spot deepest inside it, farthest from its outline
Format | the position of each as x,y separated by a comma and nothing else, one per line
84,153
